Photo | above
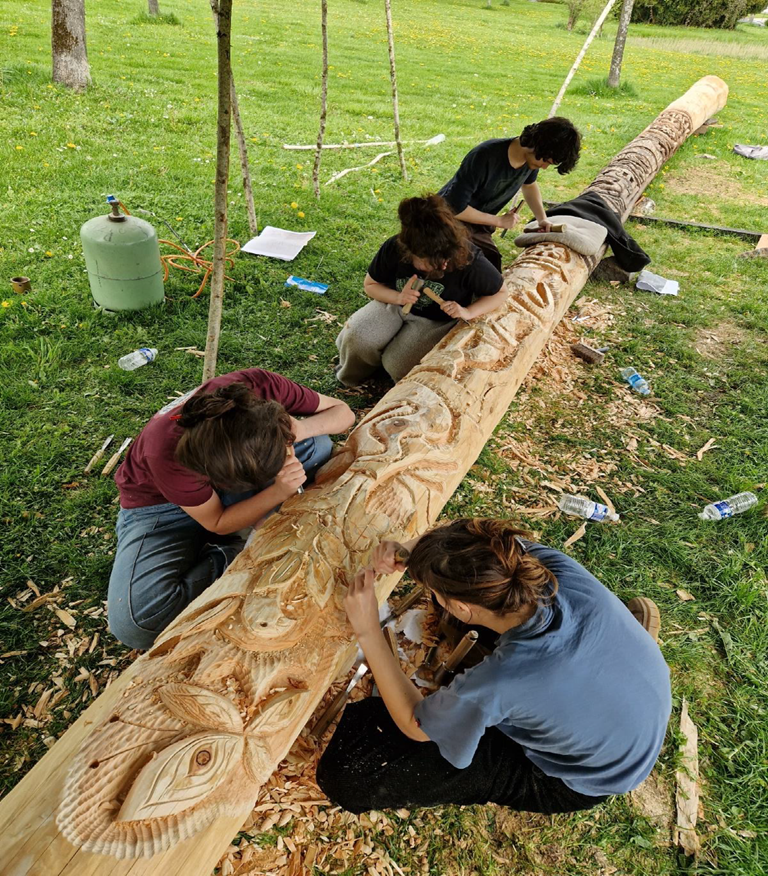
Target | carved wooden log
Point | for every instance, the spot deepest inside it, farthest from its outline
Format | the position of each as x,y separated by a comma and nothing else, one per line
170,759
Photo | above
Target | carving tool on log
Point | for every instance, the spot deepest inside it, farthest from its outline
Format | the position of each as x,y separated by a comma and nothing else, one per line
449,666
113,460
99,453
325,720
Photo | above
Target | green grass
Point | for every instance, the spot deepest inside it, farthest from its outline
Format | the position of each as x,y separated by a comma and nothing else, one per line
145,131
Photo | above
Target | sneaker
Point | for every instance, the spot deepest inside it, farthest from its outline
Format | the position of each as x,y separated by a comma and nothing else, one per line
647,613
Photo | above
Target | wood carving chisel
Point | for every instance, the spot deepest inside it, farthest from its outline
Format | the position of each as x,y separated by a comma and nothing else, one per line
113,460
99,453
325,720
449,666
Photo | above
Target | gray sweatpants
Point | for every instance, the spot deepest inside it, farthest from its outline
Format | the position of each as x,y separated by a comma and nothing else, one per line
380,335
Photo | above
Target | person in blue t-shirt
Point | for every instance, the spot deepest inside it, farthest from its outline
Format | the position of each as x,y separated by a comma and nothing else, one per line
570,707
492,173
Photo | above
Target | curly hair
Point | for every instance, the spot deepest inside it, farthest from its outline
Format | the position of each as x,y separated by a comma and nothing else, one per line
236,440
430,231
556,140
481,561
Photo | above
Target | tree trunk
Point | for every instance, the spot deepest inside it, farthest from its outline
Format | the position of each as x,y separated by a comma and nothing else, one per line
154,7
393,77
614,75
70,57
169,760
572,17
598,24
323,99
223,133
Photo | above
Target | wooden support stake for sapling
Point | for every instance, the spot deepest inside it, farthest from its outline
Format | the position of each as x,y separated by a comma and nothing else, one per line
253,225
223,33
323,99
393,77
580,57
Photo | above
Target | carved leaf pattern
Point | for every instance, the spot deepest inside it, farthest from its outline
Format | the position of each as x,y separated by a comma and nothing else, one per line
277,712
182,775
201,707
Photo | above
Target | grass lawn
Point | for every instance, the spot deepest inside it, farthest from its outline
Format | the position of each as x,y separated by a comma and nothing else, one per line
145,132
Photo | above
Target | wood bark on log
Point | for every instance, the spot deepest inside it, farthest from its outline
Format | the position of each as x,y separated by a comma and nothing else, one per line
172,756
68,47
223,18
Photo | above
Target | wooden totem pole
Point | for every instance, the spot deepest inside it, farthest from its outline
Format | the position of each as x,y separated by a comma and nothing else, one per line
164,767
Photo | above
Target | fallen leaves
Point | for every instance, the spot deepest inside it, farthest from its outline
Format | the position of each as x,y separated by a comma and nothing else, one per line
580,532
708,446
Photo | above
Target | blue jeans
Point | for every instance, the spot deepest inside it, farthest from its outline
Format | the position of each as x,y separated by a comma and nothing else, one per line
164,559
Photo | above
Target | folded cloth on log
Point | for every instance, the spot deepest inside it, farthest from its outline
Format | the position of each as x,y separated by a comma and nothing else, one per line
627,251
581,235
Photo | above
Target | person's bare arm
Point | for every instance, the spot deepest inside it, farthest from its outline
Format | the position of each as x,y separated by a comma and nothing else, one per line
483,305
399,693
380,292
477,217
332,417
532,195
216,518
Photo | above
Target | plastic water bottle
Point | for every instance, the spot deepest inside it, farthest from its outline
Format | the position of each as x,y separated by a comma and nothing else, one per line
638,383
137,358
586,508
728,507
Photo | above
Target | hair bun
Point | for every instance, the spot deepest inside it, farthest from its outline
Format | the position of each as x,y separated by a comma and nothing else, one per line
211,406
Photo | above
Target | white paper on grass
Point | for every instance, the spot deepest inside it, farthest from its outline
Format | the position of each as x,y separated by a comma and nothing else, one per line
277,243
654,283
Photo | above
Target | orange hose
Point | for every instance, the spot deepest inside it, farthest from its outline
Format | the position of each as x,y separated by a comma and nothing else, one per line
201,266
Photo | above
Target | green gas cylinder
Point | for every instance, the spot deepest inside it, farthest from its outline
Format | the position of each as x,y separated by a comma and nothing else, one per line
122,257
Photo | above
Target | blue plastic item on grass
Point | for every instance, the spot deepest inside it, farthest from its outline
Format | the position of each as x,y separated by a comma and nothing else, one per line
307,285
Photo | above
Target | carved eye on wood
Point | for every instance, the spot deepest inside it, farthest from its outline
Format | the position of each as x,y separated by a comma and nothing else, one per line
201,707
182,775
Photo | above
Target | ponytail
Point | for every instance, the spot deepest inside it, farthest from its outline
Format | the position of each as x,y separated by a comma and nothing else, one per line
234,439
482,562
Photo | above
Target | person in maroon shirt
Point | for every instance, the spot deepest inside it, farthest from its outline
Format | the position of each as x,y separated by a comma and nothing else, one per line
210,464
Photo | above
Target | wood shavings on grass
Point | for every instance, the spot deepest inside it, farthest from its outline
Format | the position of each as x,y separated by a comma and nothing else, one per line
687,778
708,446
580,532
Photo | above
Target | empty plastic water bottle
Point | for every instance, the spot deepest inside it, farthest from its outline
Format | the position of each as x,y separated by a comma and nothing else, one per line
137,358
638,383
589,510
737,504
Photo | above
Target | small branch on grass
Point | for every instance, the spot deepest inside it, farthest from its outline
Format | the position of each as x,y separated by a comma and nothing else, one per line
598,24
223,15
323,99
433,141
393,77
342,173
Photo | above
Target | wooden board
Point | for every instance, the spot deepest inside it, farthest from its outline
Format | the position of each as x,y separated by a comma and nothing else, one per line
169,760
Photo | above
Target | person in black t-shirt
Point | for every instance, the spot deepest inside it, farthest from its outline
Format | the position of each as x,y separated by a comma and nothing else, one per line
402,324
493,172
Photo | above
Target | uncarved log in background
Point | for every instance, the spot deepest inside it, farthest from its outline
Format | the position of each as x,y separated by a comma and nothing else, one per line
173,754
223,19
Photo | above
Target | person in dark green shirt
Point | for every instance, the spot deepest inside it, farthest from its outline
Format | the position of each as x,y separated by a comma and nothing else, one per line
493,172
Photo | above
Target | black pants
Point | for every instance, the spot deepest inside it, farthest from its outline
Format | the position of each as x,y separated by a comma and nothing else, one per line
370,764
483,239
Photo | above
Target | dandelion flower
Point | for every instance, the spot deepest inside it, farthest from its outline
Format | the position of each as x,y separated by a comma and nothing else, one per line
294,205
48,253
71,146
19,148
299,166
33,133
300,214
6,303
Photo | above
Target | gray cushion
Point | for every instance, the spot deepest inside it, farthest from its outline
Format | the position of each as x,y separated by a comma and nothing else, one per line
580,235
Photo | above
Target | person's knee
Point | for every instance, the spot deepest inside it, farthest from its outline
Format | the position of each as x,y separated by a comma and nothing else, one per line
126,629
337,787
